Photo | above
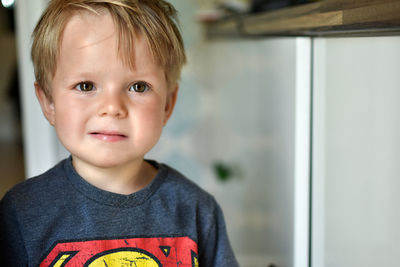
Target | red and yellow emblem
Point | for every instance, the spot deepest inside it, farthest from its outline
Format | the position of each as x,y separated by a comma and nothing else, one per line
139,252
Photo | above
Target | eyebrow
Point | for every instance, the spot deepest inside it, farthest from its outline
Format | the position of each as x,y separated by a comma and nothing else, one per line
78,77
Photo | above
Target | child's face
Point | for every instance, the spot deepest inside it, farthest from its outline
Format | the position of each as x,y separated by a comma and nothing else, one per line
105,114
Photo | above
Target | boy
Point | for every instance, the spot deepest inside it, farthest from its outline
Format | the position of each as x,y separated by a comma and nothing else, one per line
106,79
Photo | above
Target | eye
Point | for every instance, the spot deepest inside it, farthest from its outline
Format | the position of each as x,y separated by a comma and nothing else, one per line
85,86
139,87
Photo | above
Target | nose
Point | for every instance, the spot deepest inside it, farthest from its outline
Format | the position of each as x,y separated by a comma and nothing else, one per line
113,104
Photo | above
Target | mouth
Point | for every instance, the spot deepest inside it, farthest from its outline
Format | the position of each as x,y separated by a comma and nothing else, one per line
108,136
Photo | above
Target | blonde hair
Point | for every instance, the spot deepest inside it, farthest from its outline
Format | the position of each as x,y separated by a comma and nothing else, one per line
156,20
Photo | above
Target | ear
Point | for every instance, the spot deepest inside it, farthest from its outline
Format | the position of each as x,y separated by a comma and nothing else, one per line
46,104
170,103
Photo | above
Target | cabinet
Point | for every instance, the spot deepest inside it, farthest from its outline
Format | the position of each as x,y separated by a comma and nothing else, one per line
355,152
354,125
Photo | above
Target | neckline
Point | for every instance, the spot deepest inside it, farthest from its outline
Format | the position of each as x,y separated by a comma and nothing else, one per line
110,198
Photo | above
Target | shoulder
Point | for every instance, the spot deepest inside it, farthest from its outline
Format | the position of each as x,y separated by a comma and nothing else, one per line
179,183
178,187
189,200
36,187
198,205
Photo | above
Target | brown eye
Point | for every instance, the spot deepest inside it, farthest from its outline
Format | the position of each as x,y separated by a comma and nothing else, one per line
85,87
139,87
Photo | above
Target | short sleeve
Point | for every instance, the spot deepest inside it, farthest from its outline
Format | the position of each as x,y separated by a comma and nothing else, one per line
12,249
215,248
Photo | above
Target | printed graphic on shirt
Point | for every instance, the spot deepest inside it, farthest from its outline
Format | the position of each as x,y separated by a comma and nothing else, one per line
139,252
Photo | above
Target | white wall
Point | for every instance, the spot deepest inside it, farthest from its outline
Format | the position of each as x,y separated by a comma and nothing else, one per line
356,142
41,147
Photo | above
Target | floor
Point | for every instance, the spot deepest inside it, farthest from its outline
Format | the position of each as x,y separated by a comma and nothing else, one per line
11,165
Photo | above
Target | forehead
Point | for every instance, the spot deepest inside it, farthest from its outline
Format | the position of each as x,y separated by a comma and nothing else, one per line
85,30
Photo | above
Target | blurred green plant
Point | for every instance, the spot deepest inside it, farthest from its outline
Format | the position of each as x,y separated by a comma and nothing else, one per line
225,172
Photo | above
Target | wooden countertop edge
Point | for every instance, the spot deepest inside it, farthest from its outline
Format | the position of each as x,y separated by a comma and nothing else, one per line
369,17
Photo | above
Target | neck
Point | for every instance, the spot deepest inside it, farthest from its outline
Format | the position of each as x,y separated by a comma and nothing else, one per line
126,179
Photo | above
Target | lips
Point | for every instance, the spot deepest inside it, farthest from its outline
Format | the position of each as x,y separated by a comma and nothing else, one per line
108,136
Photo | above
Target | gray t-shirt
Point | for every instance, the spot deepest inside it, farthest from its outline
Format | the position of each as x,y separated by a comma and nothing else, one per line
58,218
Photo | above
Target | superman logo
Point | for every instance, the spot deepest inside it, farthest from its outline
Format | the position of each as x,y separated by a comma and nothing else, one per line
138,252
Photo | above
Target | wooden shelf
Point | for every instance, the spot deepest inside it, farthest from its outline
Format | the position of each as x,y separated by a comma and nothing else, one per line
323,18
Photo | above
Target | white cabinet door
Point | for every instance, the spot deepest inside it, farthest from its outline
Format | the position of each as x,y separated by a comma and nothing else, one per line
356,211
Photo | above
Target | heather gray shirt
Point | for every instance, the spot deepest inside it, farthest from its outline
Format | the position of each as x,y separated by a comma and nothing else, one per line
59,218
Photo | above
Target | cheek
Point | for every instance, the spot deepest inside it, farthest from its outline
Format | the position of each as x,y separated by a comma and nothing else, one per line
149,121
152,119
65,127
153,110
69,119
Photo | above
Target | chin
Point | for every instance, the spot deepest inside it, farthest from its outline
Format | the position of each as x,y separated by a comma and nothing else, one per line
106,161
109,163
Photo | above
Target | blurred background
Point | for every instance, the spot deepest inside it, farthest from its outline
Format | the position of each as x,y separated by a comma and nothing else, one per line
11,156
296,137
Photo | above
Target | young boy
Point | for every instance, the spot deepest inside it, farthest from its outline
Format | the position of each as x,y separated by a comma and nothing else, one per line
106,79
